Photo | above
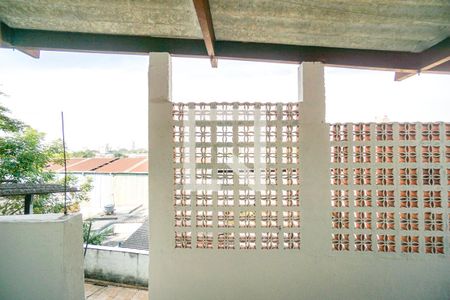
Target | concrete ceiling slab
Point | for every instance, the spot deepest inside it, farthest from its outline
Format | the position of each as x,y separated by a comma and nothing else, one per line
361,24
165,18
408,25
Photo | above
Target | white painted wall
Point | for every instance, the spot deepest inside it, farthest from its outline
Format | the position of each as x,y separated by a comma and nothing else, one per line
101,193
130,189
121,189
314,271
121,265
41,257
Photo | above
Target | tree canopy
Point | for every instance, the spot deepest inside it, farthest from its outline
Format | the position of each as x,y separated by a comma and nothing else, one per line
24,157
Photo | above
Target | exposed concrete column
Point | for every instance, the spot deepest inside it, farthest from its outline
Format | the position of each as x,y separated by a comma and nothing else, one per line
160,167
314,161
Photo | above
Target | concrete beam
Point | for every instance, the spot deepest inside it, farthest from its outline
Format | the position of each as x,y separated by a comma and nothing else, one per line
126,44
5,42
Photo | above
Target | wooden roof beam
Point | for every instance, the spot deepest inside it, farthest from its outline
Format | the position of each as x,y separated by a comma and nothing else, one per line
205,20
399,76
34,53
431,58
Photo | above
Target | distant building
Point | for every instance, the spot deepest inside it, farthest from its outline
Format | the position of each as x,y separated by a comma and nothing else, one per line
121,181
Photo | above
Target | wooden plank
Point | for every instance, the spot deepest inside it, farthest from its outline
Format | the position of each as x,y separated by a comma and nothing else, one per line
399,76
30,52
438,55
442,68
205,20
436,63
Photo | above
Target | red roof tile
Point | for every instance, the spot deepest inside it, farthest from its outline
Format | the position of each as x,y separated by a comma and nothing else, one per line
70,162
122,165
141,168
104,165
89,164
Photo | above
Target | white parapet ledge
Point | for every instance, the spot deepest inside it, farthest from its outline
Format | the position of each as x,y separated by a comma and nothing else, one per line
116,249
45,252
37,218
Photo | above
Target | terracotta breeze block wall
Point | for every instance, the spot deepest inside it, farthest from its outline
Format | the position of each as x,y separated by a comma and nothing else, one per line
390,188
236,183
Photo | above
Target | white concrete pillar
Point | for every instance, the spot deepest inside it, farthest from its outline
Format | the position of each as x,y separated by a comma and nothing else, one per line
160,151
314,161
311,91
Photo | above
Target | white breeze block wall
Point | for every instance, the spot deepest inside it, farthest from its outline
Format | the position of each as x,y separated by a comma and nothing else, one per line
41,257
241,195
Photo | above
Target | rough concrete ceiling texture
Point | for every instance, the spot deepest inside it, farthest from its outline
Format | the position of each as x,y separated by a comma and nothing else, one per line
408,25
168,18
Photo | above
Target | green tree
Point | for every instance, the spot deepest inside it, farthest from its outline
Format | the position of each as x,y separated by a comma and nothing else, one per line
118,154
84,153
95,237
24,158
44,204
8,124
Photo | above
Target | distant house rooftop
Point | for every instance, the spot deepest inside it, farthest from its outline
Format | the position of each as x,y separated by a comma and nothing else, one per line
139,239
102,165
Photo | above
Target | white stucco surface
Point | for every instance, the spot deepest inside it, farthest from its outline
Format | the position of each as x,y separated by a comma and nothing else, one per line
41,257
314,271
114,264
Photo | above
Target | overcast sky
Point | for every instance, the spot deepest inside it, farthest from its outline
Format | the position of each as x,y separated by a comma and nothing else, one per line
104,97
